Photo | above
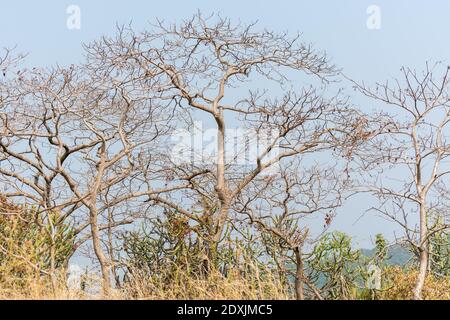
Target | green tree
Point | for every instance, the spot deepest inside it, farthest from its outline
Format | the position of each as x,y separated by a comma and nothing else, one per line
335,266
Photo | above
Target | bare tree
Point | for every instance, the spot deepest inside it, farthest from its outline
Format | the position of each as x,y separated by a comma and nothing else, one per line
78,149
91,143
408,157
208,68
8,68
282,205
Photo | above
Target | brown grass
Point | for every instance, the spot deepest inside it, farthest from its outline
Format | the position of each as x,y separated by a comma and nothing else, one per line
178,284
181,286
400,285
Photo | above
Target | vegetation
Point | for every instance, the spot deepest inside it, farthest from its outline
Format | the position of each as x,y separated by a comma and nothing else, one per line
106,160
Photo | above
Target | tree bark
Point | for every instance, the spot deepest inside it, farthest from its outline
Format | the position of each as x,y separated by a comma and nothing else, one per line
423,255
221,186
299,283
53,265
103,261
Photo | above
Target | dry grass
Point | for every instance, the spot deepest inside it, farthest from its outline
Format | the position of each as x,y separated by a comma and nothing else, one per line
216,286
400,285
181,286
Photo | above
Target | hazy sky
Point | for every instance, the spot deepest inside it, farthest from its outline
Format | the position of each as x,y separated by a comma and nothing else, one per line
412,32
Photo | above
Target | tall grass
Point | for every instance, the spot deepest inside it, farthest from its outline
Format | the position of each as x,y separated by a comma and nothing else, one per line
182,287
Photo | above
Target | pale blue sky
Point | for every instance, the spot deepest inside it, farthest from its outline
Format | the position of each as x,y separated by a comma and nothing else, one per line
412,31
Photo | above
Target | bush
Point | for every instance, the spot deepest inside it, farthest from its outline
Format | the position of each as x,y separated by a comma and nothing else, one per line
31,245
336,268
399,284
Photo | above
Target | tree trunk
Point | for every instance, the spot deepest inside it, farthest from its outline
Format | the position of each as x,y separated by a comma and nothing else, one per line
423,254
53,266
221,189
103,261
299,293
216,235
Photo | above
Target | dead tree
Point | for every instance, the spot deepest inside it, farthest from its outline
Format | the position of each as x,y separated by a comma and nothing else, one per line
282,205
231,75
73,144
408,156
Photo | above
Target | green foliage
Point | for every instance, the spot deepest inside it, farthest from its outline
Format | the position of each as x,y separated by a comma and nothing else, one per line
165,244
30,243
381,249
164,248
440,253
396,255
336,267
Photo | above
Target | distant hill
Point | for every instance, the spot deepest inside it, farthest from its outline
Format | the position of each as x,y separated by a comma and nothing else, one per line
397,255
